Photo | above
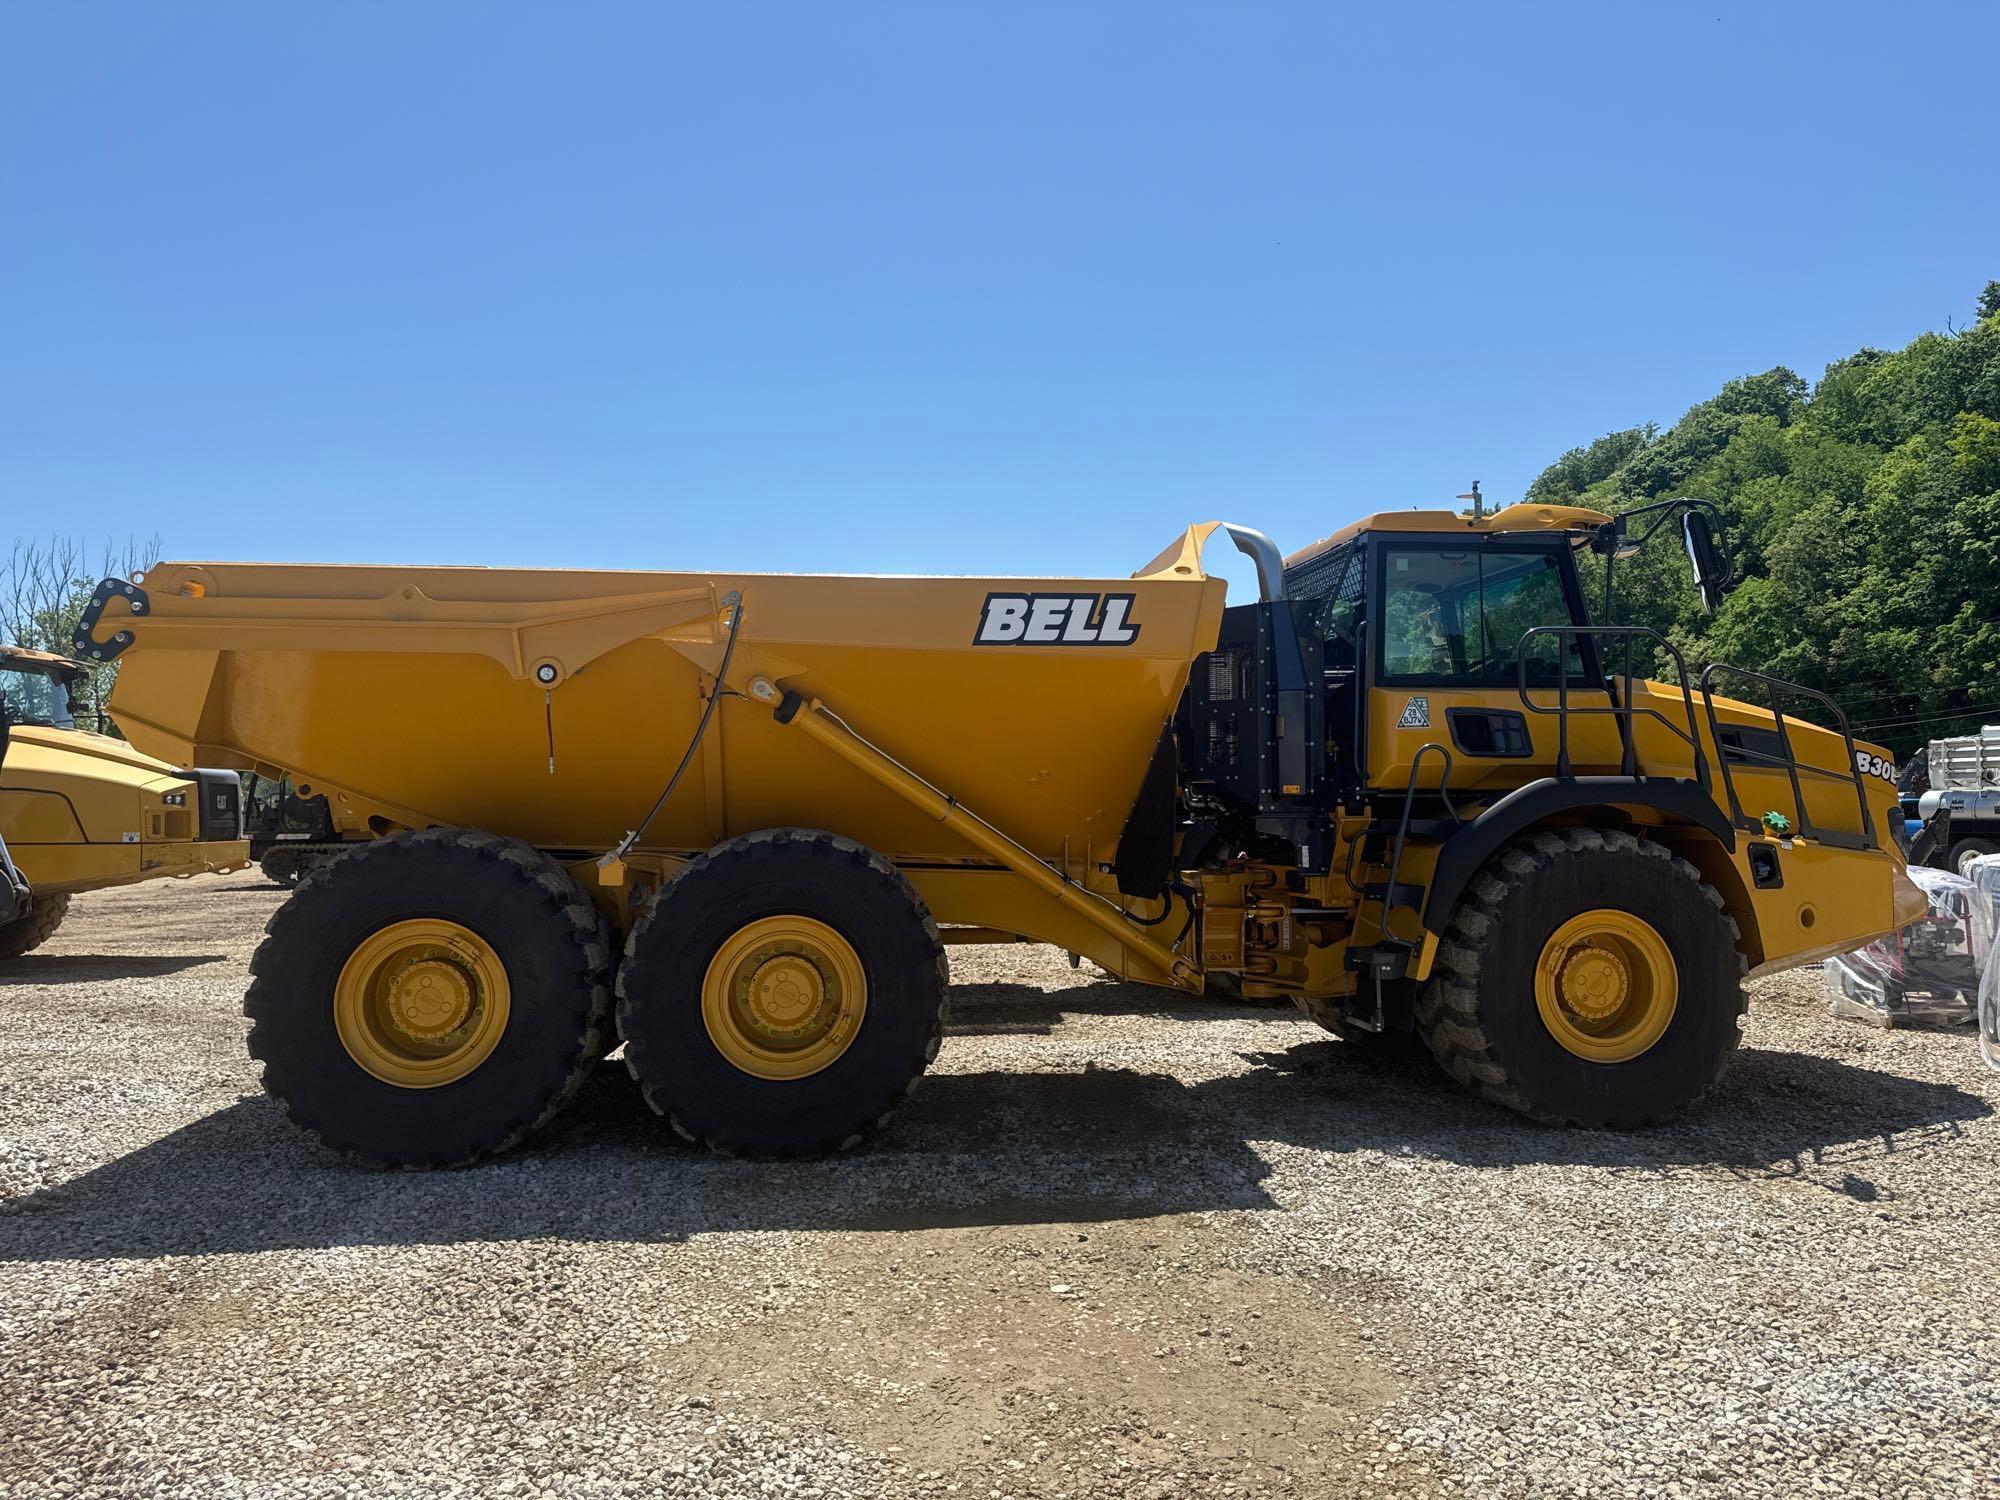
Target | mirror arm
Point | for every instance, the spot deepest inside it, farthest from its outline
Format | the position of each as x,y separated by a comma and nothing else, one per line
1612,537
1669,509
1610,557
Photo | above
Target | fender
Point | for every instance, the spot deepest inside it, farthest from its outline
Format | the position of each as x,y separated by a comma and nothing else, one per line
1521,809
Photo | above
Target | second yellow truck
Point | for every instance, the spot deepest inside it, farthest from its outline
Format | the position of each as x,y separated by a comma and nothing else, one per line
80,810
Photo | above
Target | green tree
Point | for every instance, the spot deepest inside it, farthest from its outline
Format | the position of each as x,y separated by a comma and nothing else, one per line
1864,518
44,586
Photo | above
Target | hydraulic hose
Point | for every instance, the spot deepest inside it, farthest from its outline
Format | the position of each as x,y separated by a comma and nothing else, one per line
735,601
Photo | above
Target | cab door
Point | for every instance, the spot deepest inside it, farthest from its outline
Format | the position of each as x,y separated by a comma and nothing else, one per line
1448,616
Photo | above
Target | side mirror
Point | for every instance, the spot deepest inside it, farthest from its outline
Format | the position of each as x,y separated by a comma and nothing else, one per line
1711,569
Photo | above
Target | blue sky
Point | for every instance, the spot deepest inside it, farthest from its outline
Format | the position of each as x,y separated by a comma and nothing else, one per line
927,287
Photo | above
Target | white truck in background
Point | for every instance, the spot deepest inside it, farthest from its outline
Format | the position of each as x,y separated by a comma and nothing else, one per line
1964,783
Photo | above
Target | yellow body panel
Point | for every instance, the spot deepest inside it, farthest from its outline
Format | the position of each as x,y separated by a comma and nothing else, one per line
1833,899
80,811
414,721
411,697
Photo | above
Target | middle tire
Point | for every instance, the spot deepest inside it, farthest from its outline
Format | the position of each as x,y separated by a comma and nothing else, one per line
782,995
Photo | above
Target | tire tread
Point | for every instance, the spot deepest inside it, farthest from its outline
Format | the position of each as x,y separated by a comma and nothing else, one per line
660,914
268,998
26,933
1448,1012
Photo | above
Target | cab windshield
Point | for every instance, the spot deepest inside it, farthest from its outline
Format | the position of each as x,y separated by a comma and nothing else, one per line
1452,616
30,697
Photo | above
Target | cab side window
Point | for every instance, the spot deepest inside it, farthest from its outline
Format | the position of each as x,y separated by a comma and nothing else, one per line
1458,616
1425,606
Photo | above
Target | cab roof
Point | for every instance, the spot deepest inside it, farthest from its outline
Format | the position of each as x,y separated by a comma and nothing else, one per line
1523,517
25,656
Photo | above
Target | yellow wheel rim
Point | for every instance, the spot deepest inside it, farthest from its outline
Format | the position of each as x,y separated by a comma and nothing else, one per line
784,997
421,1003
1606,986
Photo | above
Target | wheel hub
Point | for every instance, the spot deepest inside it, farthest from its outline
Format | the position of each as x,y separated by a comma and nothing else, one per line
1593,983
784,997
430,999
1606,985
422,1003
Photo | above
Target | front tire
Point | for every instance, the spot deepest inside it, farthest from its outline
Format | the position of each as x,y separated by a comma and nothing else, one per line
430,998
1587,978
33,927
782,995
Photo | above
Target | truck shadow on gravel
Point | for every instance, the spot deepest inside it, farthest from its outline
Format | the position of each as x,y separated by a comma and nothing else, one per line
95,968
1018,1010
984,1148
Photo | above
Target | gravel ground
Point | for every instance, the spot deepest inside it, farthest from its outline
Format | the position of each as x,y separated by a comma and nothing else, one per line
1117,1246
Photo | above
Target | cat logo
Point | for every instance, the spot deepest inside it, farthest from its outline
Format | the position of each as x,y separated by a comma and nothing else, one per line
1056,620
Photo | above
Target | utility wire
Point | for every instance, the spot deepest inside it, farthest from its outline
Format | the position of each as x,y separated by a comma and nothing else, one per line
1970,713
1908,693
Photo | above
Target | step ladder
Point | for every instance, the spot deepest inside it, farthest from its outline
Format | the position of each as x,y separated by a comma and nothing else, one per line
1381,847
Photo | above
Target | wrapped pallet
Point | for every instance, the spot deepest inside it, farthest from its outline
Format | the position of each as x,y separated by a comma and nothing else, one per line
1928,972
1984,874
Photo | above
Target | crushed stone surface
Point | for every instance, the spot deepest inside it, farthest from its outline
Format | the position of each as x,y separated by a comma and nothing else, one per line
1119,1244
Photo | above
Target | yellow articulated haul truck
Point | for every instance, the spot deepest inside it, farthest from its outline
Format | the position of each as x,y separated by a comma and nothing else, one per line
731,820
80,811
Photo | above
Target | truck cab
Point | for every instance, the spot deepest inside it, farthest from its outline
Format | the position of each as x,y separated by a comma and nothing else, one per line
80,810
1423,688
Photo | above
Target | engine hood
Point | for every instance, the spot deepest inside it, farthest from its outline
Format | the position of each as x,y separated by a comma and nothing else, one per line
1812,744
35,751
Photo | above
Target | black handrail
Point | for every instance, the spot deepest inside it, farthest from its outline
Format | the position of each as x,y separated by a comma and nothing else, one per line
1622,707
1403,827
1791,764
1364,684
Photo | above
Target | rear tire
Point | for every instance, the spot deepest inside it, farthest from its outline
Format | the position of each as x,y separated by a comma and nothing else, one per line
34,927
845,932
1483,1020
522,916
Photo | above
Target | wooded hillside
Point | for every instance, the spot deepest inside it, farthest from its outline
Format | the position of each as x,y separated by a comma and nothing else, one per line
1864,515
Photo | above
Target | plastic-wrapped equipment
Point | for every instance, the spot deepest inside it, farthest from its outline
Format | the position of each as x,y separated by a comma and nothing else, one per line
1984,874
1928,972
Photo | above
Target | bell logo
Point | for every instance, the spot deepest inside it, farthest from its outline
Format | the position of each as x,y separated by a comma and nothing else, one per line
1056,620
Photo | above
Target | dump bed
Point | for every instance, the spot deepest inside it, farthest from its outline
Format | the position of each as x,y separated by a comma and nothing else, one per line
553,705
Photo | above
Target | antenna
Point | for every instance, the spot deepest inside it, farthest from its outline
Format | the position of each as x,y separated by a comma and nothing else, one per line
1478,512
